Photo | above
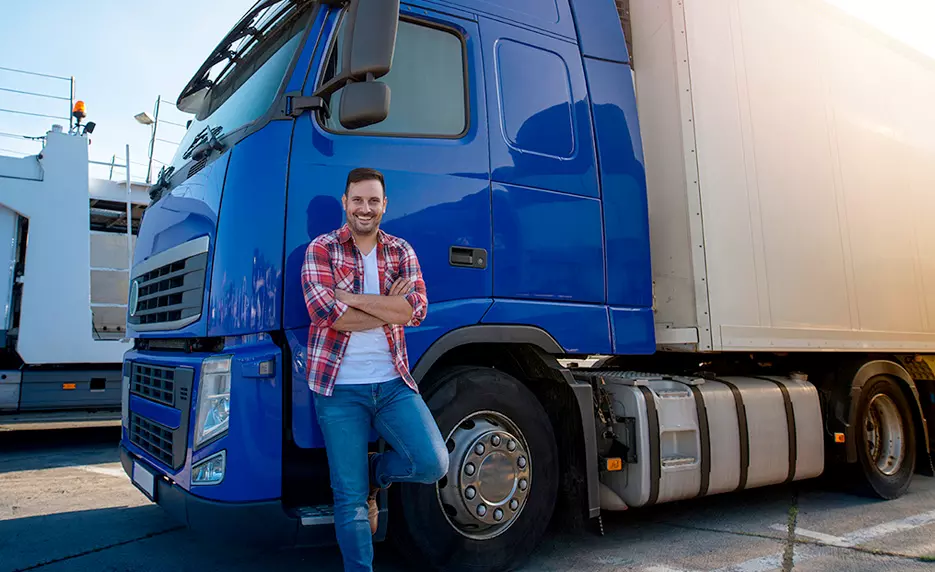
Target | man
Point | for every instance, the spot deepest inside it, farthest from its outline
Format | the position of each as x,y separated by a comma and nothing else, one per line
362,286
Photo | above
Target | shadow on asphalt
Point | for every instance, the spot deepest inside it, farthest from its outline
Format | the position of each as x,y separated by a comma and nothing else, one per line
146,539
52,448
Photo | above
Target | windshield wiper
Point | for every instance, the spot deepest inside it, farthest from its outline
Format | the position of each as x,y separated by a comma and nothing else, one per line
222,52
204,143
162,182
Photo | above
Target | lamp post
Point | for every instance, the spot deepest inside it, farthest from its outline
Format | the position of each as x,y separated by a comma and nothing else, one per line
145,119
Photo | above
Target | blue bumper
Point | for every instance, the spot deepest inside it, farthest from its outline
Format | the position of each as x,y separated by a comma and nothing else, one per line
159,425
260,523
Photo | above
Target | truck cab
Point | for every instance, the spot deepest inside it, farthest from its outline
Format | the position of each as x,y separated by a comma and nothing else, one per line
509,138
489,126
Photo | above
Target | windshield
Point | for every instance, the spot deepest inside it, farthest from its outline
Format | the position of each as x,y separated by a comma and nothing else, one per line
248,71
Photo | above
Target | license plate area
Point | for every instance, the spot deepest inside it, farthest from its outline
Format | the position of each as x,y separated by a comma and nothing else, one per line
144,480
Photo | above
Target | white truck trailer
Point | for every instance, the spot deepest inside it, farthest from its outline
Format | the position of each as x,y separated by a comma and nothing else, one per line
64,257
790,158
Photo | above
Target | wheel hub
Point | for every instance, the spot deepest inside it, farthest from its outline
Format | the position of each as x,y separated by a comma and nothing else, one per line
488,477
884,434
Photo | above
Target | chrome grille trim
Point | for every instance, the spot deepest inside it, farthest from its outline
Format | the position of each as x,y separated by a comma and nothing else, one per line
167,291
174,254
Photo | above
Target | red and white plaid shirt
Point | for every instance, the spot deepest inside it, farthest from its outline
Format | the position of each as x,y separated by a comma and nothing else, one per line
333,261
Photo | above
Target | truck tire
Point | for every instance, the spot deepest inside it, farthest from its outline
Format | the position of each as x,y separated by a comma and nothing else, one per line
490,511
886,439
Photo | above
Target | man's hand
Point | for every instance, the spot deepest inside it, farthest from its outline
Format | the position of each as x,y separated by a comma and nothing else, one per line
343,296
401,287
392,308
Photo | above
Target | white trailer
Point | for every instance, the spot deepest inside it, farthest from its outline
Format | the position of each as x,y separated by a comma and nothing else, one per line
797,144
65,249
790,160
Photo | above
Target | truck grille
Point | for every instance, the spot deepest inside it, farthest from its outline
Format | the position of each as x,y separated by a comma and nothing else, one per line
162,387
168,289
154,383
152,437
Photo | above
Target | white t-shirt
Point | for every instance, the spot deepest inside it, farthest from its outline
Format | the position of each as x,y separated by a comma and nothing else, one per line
367,358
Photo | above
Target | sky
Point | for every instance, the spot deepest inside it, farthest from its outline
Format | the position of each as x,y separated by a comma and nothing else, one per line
125,54
122,54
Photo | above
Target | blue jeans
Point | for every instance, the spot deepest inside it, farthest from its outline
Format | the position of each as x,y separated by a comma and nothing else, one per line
418,454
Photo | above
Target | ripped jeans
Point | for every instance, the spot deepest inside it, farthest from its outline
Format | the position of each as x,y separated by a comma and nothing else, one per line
418,454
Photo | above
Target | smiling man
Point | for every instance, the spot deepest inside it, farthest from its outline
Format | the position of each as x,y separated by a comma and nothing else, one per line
362,286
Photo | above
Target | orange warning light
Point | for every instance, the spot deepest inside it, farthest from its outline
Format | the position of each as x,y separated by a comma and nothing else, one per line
839,437
614,464
69,386
79,110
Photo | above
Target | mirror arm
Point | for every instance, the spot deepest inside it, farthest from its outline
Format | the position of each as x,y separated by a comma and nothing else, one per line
292,105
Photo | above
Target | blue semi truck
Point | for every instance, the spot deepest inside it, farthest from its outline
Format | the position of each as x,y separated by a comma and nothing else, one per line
587,345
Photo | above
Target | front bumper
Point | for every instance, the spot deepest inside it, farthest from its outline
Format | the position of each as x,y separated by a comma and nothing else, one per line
264,523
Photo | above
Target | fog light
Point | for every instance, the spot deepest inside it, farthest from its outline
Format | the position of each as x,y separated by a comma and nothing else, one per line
211,470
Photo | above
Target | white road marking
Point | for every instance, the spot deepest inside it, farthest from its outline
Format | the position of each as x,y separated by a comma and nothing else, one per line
660,568
820,537
887,528
855,538
110,471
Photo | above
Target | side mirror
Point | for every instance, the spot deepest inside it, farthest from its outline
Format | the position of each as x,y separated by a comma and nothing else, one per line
367,55
364,104
370,41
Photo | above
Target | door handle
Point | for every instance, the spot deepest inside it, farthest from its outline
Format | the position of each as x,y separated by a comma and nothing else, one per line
467,257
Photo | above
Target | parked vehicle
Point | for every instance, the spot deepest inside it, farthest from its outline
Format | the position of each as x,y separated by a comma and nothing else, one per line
730,227
64,275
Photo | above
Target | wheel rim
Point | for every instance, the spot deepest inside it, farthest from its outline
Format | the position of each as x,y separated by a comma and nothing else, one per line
489,475
884,432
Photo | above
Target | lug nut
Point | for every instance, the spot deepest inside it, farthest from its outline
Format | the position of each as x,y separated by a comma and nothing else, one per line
498,514
511,445
495,440
470,493
514,504
523,484
479,449
469,469
521,462
481,510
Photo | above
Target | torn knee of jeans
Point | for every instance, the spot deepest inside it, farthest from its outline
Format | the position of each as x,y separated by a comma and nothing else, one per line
361,513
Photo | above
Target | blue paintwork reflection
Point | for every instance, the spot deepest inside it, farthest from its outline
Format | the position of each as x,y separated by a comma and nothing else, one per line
547,245
189,211
626,212
577,328
300,71
443,318
599,31
246,285
553,16
634,330
530,142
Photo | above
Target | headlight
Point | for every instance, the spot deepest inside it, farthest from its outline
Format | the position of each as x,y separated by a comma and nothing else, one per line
214,399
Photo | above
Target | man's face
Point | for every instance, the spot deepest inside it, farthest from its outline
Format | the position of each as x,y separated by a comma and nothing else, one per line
364,204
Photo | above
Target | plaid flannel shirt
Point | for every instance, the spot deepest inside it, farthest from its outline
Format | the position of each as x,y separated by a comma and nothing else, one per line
333,261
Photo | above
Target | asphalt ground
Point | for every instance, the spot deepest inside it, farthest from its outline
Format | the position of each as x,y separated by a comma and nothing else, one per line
66,505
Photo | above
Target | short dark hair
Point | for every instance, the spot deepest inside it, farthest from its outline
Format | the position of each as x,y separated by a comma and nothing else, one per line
364,174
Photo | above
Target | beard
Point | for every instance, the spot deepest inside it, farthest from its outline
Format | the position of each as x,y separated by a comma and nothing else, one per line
364,227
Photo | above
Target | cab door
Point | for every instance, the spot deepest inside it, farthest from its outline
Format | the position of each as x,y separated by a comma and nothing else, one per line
433,151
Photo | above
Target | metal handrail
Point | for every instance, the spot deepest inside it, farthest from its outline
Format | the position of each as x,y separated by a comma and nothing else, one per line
37,74
37,94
